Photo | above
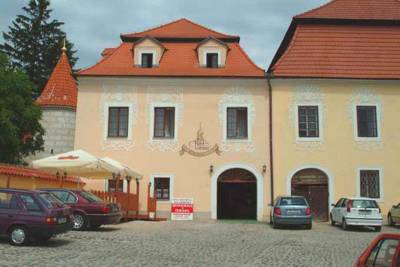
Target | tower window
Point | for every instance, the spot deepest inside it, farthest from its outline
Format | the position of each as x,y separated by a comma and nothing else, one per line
147,60
212,60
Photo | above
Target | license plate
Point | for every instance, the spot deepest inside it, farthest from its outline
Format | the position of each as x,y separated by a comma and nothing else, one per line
364,212
293,212
62,220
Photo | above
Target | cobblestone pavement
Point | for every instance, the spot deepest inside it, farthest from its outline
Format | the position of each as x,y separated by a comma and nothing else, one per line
195,244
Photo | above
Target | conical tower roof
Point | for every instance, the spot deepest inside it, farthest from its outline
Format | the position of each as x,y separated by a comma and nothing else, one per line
61,89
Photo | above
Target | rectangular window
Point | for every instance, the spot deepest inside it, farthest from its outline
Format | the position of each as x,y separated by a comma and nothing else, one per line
164,122
8,201
237,123
212,60
118,119
367,121
30,203
161,188
112,185
147,60
369,183
308,121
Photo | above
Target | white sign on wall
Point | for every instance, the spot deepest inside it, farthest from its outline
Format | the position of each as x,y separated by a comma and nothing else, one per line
182,209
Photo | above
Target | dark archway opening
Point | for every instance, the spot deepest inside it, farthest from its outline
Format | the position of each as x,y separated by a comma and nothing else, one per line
313,185
237,195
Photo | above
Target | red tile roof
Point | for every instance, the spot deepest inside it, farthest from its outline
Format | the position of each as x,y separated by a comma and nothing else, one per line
179,59
60,89
356,9
180,56
182,28
344,51
14,170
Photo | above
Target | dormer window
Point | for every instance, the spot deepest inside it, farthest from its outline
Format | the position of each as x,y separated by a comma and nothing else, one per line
212,60
147,60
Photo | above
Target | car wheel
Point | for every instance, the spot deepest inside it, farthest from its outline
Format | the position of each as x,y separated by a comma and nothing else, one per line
378,228
19,236
275,225
332,221
309,226
80,222
390,220
270,220
344,225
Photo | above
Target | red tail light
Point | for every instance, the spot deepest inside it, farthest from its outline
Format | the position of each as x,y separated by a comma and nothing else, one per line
277,211
308,211
51,220
349,205
106,209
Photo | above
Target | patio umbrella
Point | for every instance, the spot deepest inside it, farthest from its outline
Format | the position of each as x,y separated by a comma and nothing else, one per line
123,170
77,163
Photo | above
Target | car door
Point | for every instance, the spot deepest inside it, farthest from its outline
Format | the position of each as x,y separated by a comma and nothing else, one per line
396,214
335,210
385,253
9,210
341,210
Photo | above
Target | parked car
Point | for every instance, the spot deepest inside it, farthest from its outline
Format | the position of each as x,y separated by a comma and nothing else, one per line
89,211
394,215
32,215
383,251
291,210
356,212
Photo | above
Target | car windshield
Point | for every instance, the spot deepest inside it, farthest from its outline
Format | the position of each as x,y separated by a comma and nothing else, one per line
50,201
293,201
90,197
364,203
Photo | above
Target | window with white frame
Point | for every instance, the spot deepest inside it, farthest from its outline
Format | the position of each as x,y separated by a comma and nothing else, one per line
367,122
164,122
162,188
212,60
308,122
237,123
118,120
147,60
370,183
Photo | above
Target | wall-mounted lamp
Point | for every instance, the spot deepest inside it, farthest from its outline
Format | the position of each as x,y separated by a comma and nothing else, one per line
264,168
211,168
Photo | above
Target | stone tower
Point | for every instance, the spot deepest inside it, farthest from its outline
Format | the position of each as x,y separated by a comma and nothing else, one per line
58,102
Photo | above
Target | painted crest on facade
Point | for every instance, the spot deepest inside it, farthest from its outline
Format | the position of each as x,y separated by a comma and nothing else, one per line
199,147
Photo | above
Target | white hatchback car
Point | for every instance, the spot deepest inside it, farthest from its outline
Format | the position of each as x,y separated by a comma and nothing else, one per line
356,212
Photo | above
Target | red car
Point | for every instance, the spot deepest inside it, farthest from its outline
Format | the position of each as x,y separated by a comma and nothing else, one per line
383,251
27,215
89,211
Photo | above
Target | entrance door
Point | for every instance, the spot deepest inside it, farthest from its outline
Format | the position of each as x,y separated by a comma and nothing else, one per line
237,195
313,185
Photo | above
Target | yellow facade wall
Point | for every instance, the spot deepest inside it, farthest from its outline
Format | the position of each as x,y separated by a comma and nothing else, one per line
197,101
31,183
339,153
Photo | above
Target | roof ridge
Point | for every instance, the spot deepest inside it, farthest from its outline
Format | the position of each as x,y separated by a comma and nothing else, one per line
247,57
315,9
176,21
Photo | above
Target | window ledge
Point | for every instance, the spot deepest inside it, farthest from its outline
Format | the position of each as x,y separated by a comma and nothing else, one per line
309,139
368,139
237,140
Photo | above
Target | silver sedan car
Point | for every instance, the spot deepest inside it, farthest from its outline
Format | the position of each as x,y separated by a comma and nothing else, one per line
291,210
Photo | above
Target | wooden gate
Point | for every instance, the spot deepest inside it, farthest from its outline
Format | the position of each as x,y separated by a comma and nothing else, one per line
313,185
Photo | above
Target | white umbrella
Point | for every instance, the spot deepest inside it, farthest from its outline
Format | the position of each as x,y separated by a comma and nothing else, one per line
123,170
76,163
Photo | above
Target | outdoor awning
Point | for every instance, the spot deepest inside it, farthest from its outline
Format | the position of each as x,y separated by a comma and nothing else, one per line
83,164
123,170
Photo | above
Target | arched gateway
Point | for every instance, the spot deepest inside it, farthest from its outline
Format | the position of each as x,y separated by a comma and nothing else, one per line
313,185
237,195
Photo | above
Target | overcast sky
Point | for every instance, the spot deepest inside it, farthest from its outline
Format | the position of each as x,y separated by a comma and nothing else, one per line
93,25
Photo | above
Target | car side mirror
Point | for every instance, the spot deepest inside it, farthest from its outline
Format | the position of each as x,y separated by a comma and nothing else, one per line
394,206
333,205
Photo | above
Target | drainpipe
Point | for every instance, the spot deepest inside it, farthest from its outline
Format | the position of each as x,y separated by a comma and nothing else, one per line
271,154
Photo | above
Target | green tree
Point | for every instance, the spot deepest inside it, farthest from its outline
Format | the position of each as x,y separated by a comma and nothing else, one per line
33,43
20,131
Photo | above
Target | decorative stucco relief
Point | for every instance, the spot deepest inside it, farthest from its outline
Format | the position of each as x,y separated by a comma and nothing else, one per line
307,95
165,96
118,96
365,96
237,97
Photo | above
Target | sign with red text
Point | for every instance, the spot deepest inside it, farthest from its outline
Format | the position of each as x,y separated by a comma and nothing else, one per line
182,209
